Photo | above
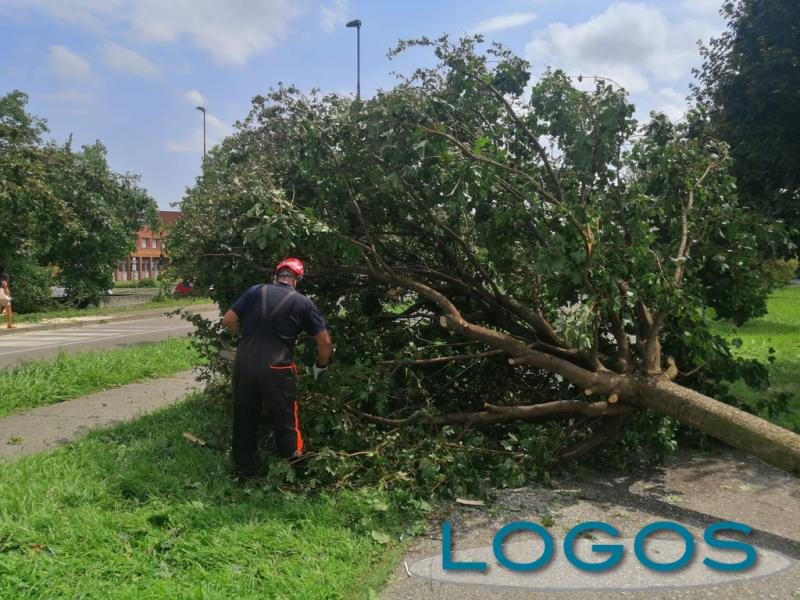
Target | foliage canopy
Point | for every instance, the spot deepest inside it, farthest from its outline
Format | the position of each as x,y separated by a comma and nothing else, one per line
62,210
749,83
476,238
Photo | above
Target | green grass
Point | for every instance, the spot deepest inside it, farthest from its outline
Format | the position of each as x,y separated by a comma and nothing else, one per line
89,312
74,375
779,329
136,512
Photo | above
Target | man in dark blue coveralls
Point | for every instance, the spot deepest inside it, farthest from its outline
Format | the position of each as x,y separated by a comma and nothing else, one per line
270,317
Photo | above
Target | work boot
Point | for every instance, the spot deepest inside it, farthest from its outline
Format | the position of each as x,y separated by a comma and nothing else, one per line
298,462
244,478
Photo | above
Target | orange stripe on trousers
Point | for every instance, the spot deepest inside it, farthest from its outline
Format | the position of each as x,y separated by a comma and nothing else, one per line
297,430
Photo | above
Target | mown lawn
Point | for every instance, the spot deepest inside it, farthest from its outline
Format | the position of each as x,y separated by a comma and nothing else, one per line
780,330
67,313
73,375
137,512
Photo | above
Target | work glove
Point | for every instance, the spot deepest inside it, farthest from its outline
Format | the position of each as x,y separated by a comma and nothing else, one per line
319,370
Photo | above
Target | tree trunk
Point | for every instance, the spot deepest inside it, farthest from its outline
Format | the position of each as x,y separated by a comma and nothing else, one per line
771,443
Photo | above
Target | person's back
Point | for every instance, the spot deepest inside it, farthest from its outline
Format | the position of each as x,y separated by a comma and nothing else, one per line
270,317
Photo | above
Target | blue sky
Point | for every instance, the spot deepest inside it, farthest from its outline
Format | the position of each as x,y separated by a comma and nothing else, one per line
130,72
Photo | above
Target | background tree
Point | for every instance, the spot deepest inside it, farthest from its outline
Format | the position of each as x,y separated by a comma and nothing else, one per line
102,210
750,85
491,259
62,213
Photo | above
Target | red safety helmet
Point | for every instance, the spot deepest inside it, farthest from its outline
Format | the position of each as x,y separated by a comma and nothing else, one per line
295,265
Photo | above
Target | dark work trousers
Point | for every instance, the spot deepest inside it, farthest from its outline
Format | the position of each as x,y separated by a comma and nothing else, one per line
267,392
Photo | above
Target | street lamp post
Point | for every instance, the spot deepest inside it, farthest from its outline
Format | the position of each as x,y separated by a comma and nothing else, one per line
357,24
202,109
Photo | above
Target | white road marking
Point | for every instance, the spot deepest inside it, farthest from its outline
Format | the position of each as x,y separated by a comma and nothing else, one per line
49,338
31,340
187,327
22,336
41,334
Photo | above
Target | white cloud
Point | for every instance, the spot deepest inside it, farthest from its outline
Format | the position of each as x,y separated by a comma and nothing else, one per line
231,32
701,8
633,44
502,22
216,130
192,144
67,64
89,13
334,15
194,98
671,102
127,60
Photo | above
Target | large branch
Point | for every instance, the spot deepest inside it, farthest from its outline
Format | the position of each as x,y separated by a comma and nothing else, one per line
621,337
683,248
652,347
440,360
559,409
535,319
603,382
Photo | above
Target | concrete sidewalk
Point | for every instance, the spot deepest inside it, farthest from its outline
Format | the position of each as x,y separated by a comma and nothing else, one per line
48,427
694,491
132,315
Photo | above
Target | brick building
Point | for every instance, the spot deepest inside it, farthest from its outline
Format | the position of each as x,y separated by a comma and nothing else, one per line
150,255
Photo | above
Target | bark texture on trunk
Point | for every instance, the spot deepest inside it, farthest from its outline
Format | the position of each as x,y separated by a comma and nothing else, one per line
771,443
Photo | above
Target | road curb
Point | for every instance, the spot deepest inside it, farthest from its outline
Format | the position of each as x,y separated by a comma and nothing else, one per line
133,316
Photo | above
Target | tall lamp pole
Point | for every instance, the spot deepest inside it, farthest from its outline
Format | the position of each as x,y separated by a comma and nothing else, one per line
357,24
202,109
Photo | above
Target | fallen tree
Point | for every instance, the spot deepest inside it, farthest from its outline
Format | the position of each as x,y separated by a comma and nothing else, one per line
534,253
650,388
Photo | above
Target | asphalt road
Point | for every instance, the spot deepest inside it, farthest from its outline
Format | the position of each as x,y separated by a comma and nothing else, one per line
38,345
